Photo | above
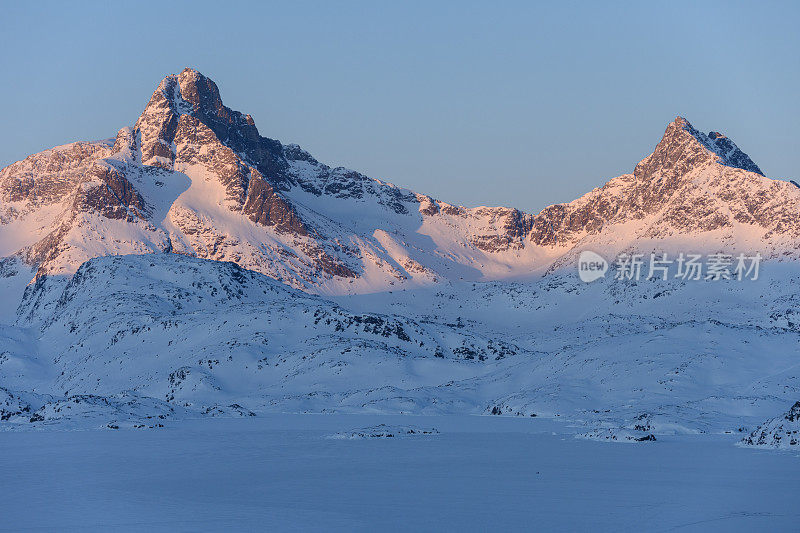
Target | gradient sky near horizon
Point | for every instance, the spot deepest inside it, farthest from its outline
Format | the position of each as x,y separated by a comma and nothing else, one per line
477,103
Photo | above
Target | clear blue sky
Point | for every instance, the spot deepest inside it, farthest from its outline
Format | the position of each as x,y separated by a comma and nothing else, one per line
497,103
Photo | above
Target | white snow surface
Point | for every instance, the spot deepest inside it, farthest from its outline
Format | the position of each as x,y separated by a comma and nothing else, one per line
175,336
280,473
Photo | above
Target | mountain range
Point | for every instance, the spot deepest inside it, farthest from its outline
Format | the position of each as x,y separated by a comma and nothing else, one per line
191,266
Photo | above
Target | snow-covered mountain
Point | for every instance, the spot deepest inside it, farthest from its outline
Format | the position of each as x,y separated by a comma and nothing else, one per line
192,267
195,177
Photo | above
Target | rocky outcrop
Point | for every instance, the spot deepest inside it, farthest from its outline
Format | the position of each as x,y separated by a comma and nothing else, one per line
186,123
108,192
729,154
232,128
187,108
263,205
50,176
514,227
780,432
566,223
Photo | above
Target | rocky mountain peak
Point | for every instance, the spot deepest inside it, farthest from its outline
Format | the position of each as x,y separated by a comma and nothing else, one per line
188,92
681,155
201,92
683,147
197,97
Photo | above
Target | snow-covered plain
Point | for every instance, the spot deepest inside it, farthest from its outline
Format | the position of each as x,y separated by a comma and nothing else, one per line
478,473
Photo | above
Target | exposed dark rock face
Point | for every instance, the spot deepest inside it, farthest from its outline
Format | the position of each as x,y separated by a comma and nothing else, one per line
197,144
683,148
661,174
794,413
265,206
515,226
49,176
730,154
159,123
780,432
125,141
110,194
327,264
292,152
343,184
665,182
76,177
12,406
186,122
428,206
453,210
232,128
48,248
558,223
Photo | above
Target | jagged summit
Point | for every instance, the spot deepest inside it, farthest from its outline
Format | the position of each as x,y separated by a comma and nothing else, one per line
192,95
680,132
202,94
192,92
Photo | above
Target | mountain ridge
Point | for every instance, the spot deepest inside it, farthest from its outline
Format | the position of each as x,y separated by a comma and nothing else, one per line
193,176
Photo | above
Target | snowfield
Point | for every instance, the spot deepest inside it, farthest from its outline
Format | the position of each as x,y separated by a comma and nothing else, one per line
281,472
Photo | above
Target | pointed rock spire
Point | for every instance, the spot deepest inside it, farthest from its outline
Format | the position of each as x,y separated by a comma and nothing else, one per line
683,148
186,123
191,93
